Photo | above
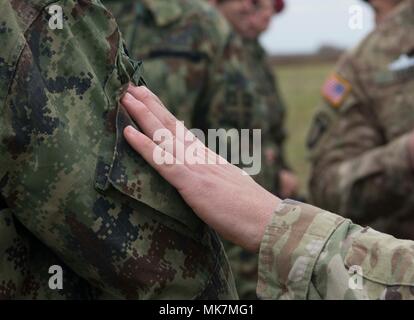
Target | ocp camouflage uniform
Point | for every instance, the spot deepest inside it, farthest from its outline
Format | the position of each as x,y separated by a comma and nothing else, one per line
359,140
202,71
72,191
309,253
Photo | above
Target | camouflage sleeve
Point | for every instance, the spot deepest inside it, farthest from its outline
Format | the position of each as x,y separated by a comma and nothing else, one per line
352,185
308,253
352,161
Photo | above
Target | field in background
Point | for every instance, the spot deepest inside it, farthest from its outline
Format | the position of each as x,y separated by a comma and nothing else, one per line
300,85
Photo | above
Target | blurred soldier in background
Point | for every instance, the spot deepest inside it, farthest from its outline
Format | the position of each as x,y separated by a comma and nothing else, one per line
72,193
285,182
193,60
362,140
277,178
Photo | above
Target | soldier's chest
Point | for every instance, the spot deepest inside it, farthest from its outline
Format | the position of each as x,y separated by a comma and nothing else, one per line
391,88
395,108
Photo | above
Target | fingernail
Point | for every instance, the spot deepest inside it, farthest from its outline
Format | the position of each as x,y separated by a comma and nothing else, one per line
130,130
128,96
141,91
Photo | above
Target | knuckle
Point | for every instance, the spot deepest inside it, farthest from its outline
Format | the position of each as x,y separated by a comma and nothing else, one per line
170,122
143,92
146,143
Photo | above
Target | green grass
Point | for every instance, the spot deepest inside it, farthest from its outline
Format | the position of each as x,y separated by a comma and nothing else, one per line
300,85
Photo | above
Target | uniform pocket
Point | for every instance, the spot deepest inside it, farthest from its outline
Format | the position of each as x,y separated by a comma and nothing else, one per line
120,167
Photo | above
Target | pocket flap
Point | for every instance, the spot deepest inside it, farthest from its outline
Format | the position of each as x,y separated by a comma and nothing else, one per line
126,170
131,175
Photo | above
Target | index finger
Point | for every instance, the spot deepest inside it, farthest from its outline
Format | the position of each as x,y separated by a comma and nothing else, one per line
155,105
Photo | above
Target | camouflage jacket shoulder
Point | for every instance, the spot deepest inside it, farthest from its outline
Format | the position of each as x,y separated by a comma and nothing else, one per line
394,26
366,64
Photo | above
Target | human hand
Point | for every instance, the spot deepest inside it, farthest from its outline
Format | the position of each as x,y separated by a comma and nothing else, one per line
220,194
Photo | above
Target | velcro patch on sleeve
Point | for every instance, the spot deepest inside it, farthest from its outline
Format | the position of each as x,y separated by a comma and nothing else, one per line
335,90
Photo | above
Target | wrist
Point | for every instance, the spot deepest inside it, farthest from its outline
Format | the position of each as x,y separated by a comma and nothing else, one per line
264,219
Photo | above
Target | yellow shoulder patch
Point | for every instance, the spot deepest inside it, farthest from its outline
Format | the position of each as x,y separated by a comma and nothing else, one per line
335,90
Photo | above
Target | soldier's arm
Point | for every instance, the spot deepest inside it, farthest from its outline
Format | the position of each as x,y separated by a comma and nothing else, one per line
309,253
352,163
306,252
353,169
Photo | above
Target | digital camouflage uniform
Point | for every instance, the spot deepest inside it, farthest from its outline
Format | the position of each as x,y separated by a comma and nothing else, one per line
270,119
358,142
72,191
202,71
309,253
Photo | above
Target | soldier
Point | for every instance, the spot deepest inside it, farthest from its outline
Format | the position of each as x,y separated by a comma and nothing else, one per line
250,24
305,252
286,183
362,136
73,194
249,20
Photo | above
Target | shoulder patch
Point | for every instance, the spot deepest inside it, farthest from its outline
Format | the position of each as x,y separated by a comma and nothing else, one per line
319,126
335,90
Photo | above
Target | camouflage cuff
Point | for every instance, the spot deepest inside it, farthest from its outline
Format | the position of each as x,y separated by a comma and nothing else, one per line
291,248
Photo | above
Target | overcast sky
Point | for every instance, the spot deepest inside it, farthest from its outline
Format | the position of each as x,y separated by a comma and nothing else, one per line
305,25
